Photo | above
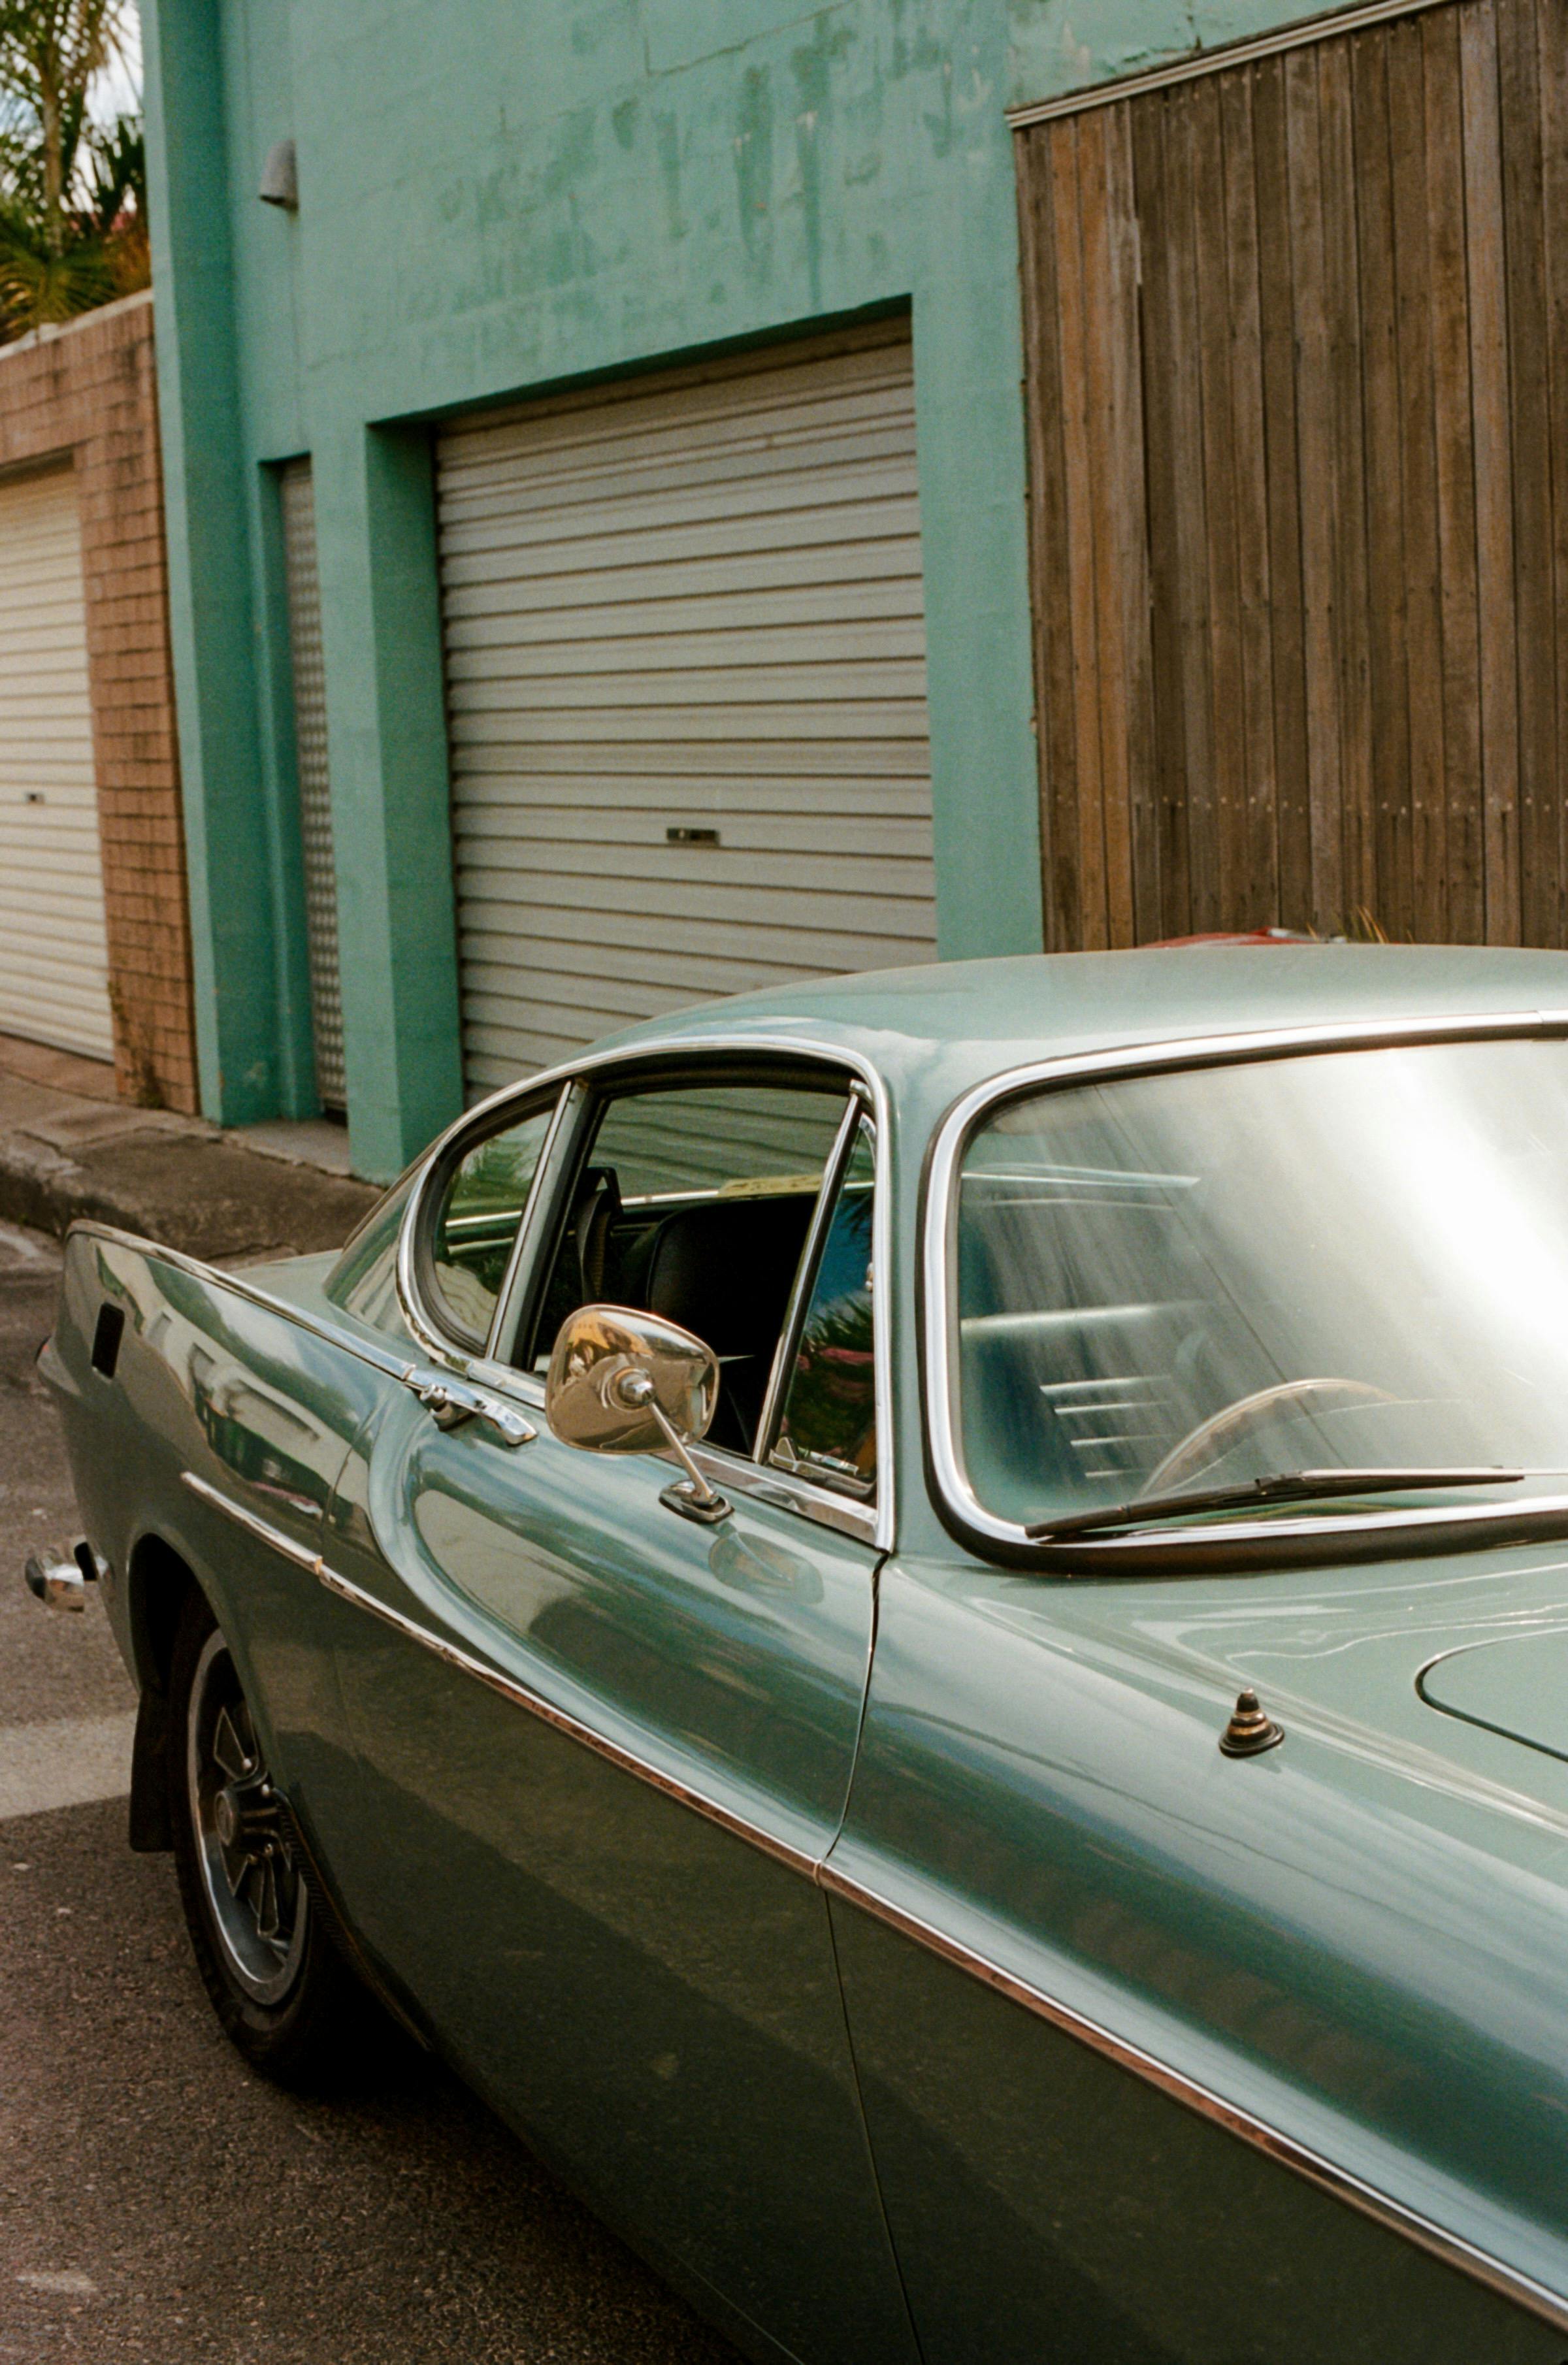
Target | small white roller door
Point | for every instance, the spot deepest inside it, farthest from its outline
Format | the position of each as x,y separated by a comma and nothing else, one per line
686,685
53,941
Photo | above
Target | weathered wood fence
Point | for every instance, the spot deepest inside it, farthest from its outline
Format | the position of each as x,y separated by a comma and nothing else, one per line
1298,354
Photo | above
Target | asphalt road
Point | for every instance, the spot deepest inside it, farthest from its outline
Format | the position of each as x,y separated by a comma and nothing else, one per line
159,2202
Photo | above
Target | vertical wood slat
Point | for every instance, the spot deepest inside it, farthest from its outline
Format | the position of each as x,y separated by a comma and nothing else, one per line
1079,555
1553,52
1426,846
1127,543
1259,836
1493,483
1047,543
1190,541
1168,680
1518,95
1300,497
1387,877
1455,477
1347,460
1103,242
1226,691
1318,529
1276,272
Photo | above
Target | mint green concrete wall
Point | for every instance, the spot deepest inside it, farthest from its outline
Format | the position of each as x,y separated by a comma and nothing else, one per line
1059,46
504,196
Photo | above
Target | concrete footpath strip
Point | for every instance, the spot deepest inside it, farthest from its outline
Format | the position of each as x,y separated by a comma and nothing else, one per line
72,1762
173,1179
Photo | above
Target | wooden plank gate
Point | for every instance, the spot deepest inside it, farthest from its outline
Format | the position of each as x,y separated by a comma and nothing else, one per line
1297,360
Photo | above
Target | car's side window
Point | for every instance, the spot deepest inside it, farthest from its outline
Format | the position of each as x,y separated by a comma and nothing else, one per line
696,1201
827,1428
476,1222
363,1281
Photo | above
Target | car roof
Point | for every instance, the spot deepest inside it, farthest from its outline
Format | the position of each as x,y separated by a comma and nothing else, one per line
948,1026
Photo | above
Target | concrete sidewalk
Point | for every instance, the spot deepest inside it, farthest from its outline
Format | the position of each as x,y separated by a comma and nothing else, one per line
66,1151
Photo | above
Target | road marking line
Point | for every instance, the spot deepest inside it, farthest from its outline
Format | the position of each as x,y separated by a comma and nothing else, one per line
67,2285
72,1762
33,1251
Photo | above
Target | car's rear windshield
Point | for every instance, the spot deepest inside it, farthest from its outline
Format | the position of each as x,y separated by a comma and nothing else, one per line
1352,1258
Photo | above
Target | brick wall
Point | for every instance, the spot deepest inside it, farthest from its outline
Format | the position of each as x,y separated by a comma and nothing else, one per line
88,389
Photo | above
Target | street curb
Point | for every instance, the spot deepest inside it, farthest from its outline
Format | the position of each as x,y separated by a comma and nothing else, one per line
198,1194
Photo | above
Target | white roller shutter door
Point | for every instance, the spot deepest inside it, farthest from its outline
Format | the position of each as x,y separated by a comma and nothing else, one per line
686,685
53,941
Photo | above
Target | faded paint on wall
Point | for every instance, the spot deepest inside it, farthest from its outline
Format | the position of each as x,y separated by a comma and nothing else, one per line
1059,46
499,198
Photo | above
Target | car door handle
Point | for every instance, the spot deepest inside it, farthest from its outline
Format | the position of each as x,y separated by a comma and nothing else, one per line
452,1401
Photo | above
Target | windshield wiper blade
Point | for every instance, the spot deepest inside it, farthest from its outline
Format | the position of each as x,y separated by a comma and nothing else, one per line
1285,1487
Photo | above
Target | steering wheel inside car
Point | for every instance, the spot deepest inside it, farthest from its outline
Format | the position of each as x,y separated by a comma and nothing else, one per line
1217,1433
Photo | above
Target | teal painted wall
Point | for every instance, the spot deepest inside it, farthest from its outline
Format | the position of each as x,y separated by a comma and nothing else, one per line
1059,46
498,197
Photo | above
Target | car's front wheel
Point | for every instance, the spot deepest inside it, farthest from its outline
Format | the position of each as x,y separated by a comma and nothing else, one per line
277,1983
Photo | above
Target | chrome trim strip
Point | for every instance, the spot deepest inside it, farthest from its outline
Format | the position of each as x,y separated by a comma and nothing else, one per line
260,1529
1468,1716
1208,61
555,1161
527,1223
520,1695
768,1484
506,1378
805,1275
425,1330
1283,2149
1451,2249
938,1257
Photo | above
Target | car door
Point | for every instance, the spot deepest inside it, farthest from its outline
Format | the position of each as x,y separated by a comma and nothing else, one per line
606,1747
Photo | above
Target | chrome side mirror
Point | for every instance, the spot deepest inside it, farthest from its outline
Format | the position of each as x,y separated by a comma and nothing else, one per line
62,1584
627,1383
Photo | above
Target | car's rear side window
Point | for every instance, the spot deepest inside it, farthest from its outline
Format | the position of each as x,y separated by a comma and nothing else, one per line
476,1222
363,1281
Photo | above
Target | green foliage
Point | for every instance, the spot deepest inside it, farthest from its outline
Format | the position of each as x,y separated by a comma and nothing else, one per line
72,194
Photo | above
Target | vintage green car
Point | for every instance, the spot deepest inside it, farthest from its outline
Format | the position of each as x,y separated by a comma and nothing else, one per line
925,1622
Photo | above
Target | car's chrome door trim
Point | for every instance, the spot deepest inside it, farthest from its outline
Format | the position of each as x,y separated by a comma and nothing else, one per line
805,1275
521,1695
261,1530
1175,2083
979,1530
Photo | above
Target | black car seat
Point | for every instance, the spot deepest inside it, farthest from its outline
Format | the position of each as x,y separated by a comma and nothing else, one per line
725,1271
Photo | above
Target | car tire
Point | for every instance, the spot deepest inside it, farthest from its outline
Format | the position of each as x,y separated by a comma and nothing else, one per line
267,1958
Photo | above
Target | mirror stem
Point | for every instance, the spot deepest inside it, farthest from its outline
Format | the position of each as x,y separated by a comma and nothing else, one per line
696,1499
700,1490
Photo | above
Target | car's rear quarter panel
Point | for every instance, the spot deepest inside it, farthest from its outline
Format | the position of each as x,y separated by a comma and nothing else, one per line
254,1403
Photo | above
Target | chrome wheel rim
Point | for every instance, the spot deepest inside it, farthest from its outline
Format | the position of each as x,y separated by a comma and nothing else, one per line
248,1869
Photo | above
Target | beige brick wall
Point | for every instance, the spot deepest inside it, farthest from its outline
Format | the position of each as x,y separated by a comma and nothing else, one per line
89,390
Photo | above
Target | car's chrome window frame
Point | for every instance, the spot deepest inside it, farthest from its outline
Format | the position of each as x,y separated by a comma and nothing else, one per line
954,1499
578,1081
856,1114
442,1160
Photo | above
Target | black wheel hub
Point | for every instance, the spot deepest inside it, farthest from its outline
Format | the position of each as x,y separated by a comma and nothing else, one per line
244,1847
